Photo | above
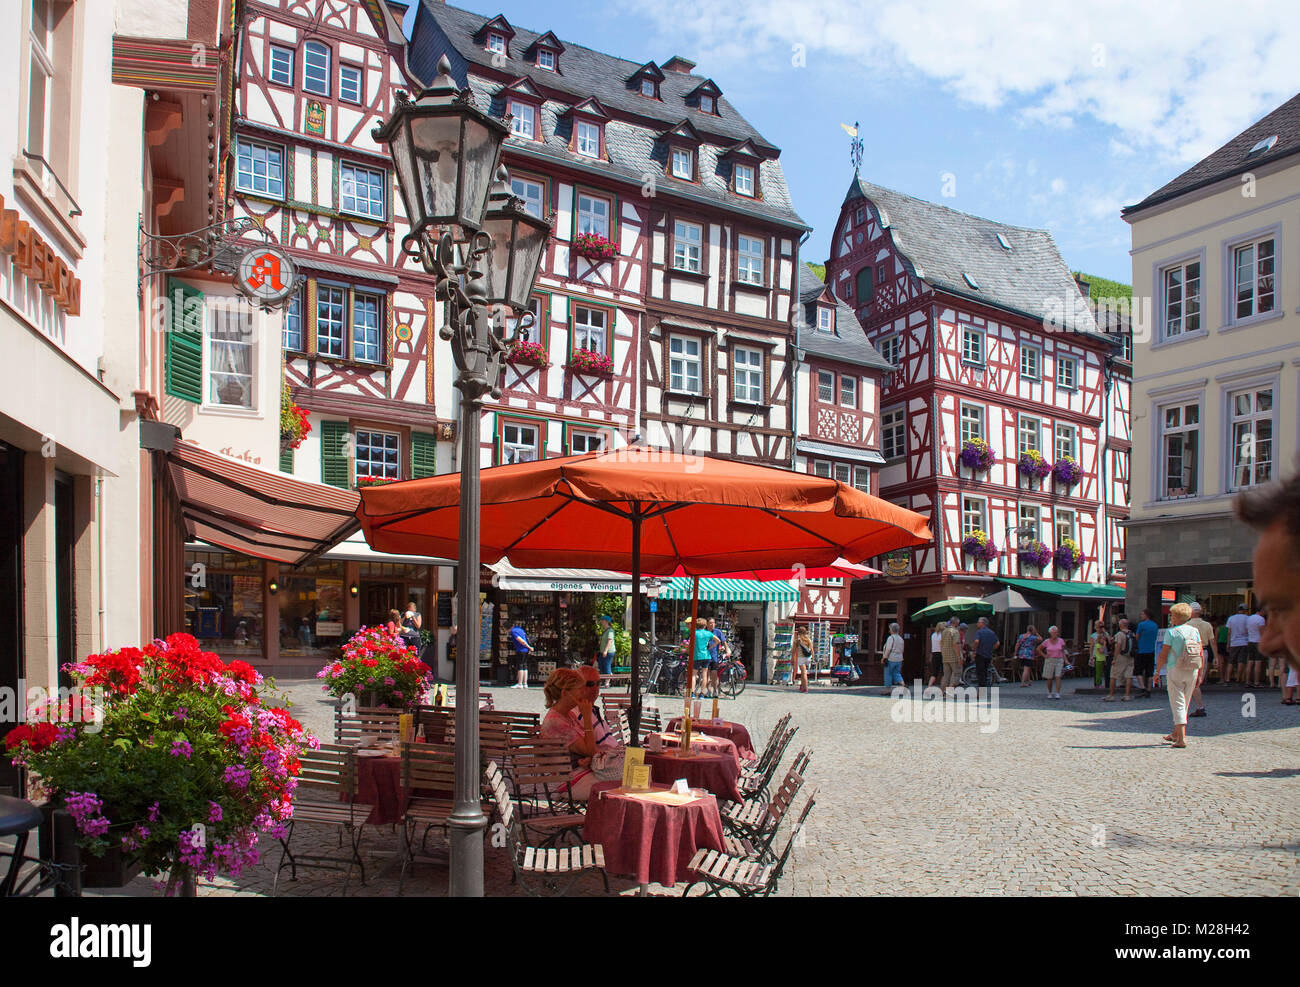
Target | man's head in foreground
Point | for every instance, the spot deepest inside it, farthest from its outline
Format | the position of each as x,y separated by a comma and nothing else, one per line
1274,511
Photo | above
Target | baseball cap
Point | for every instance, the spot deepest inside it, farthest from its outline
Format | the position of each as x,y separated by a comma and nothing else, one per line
607,618
1196,608
1241,606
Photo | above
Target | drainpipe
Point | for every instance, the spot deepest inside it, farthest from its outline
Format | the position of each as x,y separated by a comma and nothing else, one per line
99,563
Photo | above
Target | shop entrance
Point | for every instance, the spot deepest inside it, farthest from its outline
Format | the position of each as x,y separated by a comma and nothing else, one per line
379,598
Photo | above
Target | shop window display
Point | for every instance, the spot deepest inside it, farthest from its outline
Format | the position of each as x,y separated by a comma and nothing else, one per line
311,609
223,602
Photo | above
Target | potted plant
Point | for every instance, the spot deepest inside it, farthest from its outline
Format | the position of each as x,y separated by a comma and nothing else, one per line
1034,554
589,362
976,455
1068,556
378,669
168,757
294,425
979,546
374,481
1067,471
1033,465
530,352
594,247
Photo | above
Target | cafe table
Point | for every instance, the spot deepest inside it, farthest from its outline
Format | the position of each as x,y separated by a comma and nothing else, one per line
735,732
700,744
652,835
716,773
379,784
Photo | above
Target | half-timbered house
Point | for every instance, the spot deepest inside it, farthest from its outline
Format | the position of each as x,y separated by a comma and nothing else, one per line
993,344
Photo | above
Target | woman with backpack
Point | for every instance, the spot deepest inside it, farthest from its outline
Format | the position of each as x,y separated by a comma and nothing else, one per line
1121,665
1182,654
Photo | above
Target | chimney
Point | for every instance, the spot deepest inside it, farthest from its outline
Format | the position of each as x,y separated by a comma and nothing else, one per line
679,64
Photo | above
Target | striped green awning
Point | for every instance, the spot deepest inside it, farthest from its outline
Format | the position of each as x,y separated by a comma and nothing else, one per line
735,590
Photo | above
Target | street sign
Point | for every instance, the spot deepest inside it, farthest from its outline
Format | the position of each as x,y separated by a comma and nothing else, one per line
654,606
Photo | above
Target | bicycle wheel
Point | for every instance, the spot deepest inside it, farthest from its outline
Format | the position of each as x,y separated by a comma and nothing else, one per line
733,682
678,682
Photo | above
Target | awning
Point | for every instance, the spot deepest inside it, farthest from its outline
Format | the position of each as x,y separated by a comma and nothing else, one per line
267,515
355,549
733,590
843,452
1068,590
505,576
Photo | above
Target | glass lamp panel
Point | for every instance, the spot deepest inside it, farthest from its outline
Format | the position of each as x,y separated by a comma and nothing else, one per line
480,150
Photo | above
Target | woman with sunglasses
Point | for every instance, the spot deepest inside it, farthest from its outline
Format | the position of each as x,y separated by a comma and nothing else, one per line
595,753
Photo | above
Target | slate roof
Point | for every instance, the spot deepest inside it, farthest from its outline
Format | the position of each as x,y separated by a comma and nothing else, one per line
945,246
633,150
847,342
1234,158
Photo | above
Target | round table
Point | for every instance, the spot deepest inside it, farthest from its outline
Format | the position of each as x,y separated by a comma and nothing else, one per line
717,773
735,732
651,836
700,744
379,784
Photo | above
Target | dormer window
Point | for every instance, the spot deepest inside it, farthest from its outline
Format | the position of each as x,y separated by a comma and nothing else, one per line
496,43
544,52
745,180
546,59
649,88
524,122
744,160
707,105
587,137
825,318
683,163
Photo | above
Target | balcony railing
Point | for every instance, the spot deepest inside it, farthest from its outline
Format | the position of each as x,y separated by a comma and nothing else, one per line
76,209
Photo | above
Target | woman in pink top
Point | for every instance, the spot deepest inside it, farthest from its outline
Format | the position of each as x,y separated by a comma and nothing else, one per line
1052,651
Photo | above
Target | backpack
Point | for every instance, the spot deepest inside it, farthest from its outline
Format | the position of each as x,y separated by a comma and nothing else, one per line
1125,643
1192,653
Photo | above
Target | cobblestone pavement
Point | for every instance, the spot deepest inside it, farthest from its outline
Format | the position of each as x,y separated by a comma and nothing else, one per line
1075,796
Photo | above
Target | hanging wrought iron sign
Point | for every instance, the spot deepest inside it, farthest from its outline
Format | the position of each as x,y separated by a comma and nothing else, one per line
266,275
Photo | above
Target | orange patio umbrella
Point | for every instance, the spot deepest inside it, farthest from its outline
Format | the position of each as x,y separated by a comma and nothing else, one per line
644,511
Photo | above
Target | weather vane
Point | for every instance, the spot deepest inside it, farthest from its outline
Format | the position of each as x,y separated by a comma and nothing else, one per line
855,146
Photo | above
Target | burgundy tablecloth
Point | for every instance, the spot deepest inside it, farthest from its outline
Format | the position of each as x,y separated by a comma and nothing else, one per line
648,841
379,784
735,732
717,773
700,744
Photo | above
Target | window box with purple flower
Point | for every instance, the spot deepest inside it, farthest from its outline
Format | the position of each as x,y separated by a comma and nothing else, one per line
979,546
976,455
1034,555
1068,556
1033,465
1067,471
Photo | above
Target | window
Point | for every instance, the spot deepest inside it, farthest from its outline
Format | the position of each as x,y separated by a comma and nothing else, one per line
593,215
281,69
684,364
1031,362
972,422
1180,442
749,259
1252,265
848,391
231,356
1064,525
377,454
291,337
40,78
825,318
1067,371
893,433
972,346
1065,444
584,442
842,473
973,515
686,246
1029,435
825,387
350,83
536,329
891,348
589,329
546,59
588,139
744,179
533,194
316,68
866,285
683,163
1252,437
331,302
860,216
518,443
496,43
366,346
648,88
862,478
747,373
1182,299
1031,518
822,467
362,190
523,121
707,106
259,168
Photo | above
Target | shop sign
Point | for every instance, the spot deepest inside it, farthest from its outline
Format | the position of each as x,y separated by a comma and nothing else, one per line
315,119
898,566
266,275
38,261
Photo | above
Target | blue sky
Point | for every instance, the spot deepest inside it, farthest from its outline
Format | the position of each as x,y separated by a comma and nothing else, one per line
1047,115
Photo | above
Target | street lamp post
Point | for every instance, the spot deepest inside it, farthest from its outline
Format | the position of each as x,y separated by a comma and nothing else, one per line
652,585
484,250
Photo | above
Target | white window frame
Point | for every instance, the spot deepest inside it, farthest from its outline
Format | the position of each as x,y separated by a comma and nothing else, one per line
848,392
1068,516
842,472
1065,441
518,449
549,59
1165,432
587,332
317,49
862,478
496,43
891,348
587,138
390,466
825,318
825,383
1189,304
322,318
981,417
531,192
747,374
1243,425
240,335
648,88
41,42
683,163
240,185
293,313
972,518
749,259
376,180
1022,512
1272,236
591,220
688,246
708,104
367,339
745,180
523,119
359,88
1023,431
972,346
893,426
680,362
284,78
585,439
1036,373
1073,363
822,468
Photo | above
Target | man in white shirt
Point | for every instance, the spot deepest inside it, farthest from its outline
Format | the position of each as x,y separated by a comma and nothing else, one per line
1254,660
1238,639
936,655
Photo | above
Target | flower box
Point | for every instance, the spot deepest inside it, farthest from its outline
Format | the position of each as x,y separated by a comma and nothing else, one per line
528,352
378,667
294,426
589,362
373,481
1068,556
979,546
1067,471
1033,465
594,247
1034,554
976,455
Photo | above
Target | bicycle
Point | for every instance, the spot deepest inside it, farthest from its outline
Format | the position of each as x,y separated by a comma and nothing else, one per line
668,673
731,678
970,675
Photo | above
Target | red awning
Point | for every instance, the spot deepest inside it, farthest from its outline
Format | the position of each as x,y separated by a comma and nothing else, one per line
268,515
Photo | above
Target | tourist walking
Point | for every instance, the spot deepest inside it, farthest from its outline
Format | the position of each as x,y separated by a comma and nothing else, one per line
1254,660
1052,651
1099,652
1221,648
984,643
1238,639
703,638
1181,654
803,649
950,648
936,654
1144,663
1026,646
608,646
1121,665
520,661
719,651
1206,632
891,656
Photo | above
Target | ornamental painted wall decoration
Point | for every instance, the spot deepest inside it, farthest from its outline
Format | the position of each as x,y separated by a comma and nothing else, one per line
314,120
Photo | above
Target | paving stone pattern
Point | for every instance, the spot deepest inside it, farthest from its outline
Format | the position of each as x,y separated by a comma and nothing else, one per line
1076,796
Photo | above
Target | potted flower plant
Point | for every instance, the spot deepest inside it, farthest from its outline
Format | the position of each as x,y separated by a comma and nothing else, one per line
169,758
1034,554
530,352
1033,465
589,362
378,669
1067,471
594,247
976,455
374,481
1068,555
294,425
979,546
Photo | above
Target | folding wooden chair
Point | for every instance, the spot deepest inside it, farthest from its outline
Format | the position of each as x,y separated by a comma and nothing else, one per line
429,778
365,725
757,821
325,796
748,878
755,783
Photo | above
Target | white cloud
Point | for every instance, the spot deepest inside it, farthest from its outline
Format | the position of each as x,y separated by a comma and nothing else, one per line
1174,81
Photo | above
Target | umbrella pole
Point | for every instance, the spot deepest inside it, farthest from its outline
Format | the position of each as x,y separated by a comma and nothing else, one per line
634,711
690,642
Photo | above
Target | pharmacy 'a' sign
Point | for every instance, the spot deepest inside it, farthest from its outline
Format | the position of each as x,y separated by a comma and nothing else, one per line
266,275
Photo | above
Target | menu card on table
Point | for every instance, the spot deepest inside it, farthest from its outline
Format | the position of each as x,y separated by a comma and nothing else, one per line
640,778
633,758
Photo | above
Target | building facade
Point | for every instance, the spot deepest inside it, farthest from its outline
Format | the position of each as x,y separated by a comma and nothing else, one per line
1216,398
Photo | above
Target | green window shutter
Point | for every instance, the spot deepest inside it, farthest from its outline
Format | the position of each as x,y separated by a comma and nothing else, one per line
184,344
424,454
286,461
334,454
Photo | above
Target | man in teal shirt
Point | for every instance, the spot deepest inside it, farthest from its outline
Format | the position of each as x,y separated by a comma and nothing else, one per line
1144,663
